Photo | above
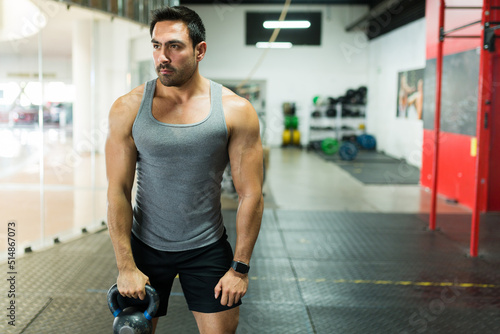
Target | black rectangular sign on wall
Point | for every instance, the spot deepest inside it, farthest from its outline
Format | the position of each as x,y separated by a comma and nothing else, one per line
255,31
459,93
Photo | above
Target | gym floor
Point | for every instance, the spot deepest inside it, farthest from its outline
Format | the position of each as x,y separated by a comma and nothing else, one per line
334,256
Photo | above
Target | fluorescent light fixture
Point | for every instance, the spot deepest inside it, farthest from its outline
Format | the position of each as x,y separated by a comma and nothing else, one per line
275,45
286,24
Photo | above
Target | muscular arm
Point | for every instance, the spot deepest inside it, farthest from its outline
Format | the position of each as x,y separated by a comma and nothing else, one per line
245,153
121,156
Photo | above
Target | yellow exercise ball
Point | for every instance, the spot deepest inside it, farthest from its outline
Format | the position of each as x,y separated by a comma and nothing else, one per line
287,137
296,137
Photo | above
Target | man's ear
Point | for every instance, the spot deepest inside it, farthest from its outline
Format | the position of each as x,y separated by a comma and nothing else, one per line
200,50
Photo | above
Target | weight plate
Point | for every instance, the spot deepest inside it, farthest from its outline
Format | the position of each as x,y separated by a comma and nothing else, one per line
330,146
332,112
348,151
367,142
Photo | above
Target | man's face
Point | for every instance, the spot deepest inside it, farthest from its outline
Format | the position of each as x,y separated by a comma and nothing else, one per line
174,58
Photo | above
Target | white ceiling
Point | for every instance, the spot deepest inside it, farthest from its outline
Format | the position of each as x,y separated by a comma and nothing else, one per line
56,34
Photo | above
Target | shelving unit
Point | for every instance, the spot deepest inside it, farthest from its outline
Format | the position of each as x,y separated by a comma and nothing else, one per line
338,121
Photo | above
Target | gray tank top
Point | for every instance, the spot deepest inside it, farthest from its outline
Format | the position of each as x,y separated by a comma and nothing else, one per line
179,174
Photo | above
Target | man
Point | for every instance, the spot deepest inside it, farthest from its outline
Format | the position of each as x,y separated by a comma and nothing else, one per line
179,131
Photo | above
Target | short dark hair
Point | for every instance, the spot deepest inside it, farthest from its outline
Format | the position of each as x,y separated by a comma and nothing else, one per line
180,13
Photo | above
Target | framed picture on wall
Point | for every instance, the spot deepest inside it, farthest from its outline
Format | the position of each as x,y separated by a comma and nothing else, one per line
410,94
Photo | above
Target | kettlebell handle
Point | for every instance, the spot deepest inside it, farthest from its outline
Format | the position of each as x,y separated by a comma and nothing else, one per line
150,312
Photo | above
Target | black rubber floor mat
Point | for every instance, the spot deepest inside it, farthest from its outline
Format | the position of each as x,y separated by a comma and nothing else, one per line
372,167
362,156
382,172
316,272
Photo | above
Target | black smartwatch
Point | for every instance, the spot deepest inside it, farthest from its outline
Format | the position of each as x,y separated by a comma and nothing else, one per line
240,267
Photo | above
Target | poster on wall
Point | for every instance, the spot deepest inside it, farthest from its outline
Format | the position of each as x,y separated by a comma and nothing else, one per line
410,94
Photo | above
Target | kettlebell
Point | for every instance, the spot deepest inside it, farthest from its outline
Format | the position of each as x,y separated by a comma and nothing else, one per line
130,317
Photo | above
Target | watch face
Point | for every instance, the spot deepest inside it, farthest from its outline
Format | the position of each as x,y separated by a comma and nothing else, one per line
240,267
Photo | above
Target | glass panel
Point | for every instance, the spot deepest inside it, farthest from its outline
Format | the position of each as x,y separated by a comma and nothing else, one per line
130,9
20,135
52,168
144,5
20,204
99,4
80,2
50,185
59,208
114,6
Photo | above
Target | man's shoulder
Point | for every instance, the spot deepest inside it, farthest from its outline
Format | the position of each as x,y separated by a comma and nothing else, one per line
131,100
239,112
124,110
234,103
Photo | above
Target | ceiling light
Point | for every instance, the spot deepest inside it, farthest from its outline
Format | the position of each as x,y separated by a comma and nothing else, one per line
20,19
275,45
286,24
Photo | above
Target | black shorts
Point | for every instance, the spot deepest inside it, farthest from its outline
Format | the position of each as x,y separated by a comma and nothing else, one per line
199,272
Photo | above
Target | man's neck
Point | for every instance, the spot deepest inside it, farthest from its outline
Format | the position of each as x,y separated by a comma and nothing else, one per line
197,85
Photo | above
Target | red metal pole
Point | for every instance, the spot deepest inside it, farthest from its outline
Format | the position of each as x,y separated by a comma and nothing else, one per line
437,117
482,133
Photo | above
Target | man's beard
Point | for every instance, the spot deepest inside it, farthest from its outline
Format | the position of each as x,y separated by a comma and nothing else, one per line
177,78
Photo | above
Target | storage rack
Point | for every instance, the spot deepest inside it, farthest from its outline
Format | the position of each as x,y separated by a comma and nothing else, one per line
342,120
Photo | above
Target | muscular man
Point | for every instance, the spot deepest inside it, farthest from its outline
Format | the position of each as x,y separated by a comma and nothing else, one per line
179,131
